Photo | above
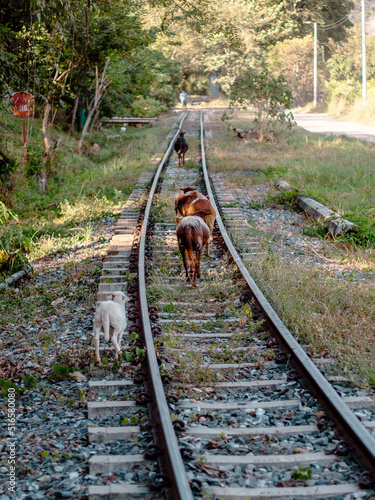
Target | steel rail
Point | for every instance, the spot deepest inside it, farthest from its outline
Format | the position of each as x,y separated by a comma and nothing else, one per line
358,436
180,488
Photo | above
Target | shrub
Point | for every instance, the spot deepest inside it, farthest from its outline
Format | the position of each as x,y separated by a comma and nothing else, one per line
268,95
341,95
147,107
7,167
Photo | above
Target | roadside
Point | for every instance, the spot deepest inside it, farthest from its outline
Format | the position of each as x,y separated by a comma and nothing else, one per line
325,124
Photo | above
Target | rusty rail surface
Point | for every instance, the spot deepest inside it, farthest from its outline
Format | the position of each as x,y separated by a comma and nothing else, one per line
359,437
171,461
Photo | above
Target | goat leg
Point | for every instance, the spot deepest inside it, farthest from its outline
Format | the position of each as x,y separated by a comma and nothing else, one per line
198,254
193,264
182,251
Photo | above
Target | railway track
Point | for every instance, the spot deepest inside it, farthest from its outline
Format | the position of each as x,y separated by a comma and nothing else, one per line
222,401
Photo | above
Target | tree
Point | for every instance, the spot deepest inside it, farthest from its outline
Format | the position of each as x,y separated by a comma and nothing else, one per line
346,63
268,95
293,59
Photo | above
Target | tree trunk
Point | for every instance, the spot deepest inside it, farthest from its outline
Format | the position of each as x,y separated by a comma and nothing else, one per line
84,130
74,112
100,85
47,144
94,119
42,177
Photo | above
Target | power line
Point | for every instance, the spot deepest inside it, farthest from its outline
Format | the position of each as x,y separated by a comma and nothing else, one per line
335,24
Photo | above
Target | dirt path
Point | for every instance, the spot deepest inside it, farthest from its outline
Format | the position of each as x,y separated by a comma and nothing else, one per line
322,123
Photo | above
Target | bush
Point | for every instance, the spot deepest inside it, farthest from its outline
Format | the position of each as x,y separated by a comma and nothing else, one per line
147,107
341,95
14,245
34,163
269,96
7,167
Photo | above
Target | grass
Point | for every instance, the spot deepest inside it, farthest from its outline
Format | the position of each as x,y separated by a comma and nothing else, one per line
82,189
330,315
336,171
334,316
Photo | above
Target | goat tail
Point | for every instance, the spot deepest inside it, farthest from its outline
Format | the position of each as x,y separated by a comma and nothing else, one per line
189,247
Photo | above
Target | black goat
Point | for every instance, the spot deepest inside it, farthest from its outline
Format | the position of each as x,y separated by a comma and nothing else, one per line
181,146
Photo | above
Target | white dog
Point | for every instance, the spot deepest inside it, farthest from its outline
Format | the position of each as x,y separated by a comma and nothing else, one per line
110,319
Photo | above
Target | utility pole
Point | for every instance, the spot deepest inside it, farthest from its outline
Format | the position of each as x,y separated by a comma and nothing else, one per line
364,80
315,61
316,64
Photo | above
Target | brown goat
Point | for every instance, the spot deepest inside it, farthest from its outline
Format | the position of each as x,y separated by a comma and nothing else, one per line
192,202
192,235
180,193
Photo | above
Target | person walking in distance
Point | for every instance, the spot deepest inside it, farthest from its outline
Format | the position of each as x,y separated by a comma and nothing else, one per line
183,99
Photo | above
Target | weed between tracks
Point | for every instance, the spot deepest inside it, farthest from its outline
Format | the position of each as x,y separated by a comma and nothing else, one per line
212,306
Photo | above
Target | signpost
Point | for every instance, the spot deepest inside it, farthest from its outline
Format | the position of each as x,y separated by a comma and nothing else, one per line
23,106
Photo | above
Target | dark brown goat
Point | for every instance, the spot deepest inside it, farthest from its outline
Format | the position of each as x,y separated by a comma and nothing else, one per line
192,202
192,235
181,146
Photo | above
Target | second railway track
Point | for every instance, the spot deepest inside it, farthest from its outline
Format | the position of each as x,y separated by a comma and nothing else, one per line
224,403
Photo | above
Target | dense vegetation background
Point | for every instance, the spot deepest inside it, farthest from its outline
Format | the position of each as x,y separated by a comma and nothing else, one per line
86,60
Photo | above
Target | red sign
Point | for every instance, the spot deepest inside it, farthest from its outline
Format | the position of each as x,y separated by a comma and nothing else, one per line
23,104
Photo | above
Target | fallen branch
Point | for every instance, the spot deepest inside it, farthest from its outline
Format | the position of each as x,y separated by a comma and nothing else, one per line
205,467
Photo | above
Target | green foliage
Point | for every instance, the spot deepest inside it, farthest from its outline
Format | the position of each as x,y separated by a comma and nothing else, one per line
60,372
7,167
341,68
342,94
13,248
287,199
365,236
29,381
316,230
5,385
6,213
34,164
293,59
272,172
269,95
127,356
147,107
169,307
302,474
